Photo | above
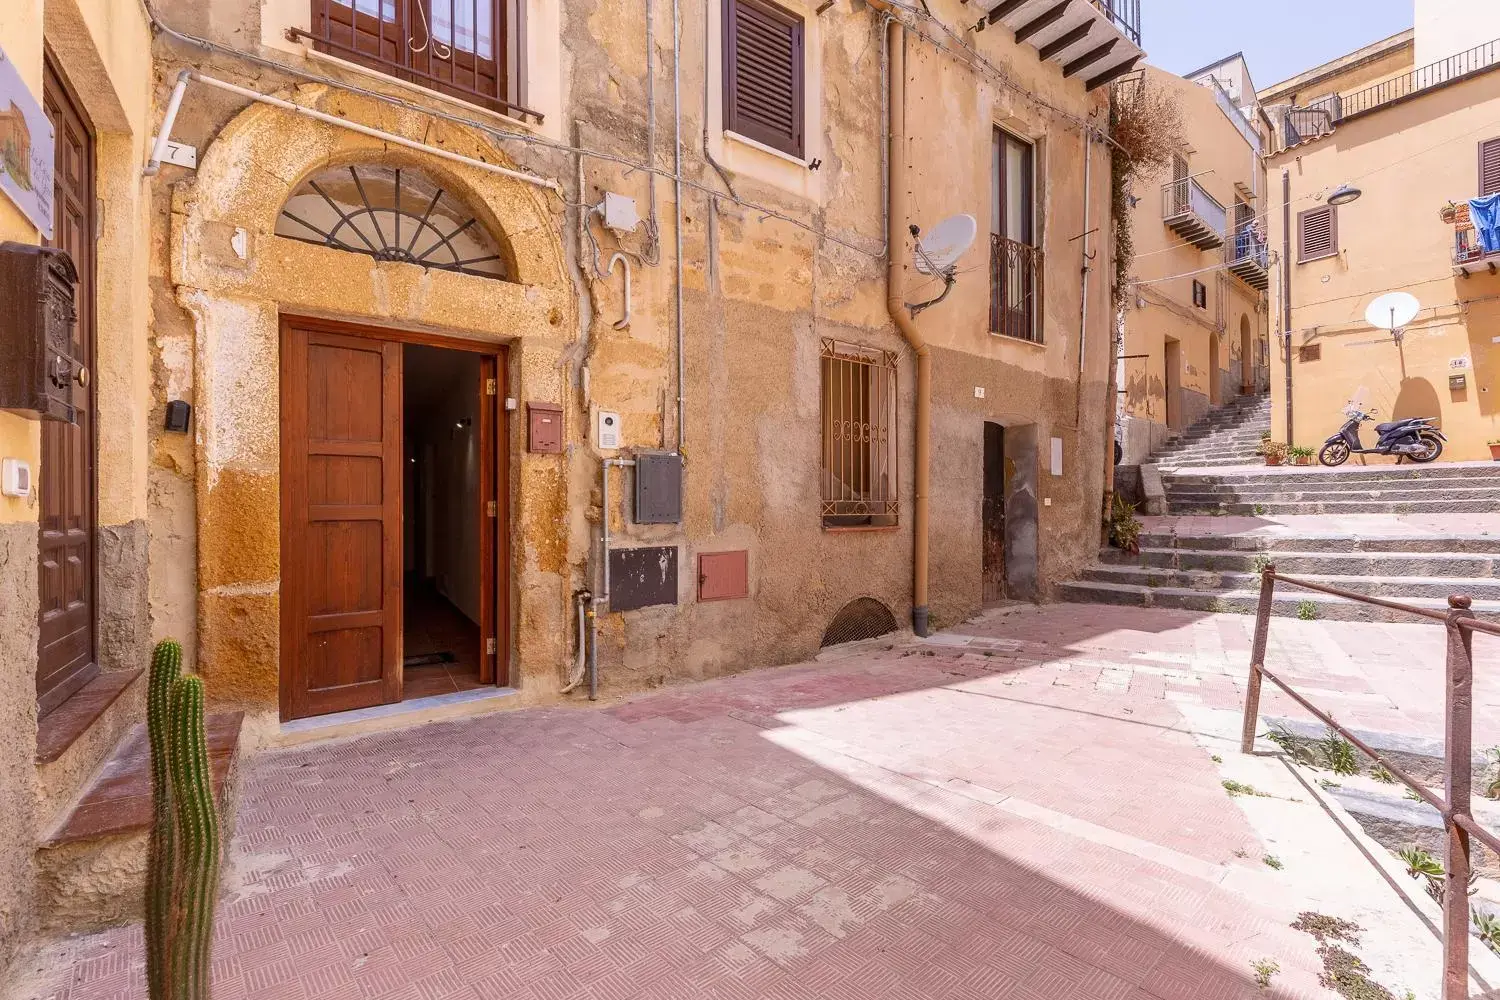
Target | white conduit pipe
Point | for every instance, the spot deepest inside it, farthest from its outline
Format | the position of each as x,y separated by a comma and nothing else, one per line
373,133
163,138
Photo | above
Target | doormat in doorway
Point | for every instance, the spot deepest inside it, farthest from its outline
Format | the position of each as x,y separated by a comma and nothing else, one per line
427,659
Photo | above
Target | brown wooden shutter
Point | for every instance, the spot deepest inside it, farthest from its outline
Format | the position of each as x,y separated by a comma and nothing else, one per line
1489,167
763,77
1317,233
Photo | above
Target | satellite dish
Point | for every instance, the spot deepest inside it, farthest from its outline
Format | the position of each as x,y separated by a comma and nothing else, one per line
942,245
1393,310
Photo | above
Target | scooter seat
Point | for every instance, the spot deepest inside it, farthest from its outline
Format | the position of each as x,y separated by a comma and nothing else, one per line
1382,428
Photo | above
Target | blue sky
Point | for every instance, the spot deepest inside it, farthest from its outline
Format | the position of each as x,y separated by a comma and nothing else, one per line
1280,38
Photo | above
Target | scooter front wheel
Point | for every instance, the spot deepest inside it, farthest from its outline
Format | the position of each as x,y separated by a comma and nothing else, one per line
1334,453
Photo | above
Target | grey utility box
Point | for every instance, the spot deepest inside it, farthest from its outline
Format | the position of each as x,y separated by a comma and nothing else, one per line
658,487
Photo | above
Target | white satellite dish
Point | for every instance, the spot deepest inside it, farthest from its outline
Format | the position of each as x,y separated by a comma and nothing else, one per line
942,245
1393,310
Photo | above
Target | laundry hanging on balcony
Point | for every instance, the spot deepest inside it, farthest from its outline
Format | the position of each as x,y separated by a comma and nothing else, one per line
1484,213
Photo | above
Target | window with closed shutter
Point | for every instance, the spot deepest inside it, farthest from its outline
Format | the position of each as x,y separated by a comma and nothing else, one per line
1317,233
1489,168
763,74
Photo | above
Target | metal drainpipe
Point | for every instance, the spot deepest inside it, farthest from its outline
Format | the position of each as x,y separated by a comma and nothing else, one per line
1083,309
650,131
1286,291
677,197
601,599
896,248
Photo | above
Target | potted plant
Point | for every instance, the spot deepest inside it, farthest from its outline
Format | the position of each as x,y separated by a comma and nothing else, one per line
1124,527
1449,212
1265,436
1301,456
1495,450
1275,452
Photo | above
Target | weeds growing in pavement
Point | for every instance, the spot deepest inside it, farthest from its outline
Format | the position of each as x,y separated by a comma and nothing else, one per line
1291,746
1272,861
1307,610
1492,787
1381,774
1488,926
1264,968
1339,755
1240,788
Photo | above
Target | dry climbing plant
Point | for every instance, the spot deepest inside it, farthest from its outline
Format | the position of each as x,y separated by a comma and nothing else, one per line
1145,125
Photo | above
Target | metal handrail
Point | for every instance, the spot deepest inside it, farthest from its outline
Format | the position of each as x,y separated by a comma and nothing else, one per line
1455,806
1125,14
1015,288
1250,245
1181,197
1340,107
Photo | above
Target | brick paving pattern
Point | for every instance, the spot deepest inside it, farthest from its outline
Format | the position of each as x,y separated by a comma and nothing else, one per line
1017,809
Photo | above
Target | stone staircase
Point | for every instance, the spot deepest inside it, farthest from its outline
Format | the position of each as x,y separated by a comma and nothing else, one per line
1220,573
1383,489
1226,436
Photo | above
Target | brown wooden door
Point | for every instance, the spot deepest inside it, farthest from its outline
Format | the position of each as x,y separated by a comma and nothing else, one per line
66,648
340,522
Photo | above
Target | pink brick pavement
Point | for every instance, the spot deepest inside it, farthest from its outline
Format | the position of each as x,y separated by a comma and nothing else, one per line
1019,811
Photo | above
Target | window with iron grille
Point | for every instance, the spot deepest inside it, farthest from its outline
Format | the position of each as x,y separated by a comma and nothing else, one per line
1317,234
859,436
463,48
1015,259
763,74
1200,294
1489,168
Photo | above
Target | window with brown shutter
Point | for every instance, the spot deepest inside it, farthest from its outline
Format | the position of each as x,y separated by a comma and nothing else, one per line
763,74
1489,168
1310,352
1200,295
1317,234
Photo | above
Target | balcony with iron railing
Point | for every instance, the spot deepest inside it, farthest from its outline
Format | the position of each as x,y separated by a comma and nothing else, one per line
1248,258
1469,255
464,49
1097,41
1015,288
1317,119
1194,214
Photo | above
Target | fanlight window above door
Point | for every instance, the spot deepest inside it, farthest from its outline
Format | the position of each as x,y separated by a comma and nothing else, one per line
391,213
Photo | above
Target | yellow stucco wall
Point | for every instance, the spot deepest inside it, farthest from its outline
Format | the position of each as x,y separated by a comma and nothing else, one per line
1160,308
1409,160
102,48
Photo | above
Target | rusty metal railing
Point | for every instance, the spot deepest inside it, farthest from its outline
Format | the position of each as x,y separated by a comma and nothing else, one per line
1455,806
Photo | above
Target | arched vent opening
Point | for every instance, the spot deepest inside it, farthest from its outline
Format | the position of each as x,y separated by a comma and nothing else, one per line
392,213
861,618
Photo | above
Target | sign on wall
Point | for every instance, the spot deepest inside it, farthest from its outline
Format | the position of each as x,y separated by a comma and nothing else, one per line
25,149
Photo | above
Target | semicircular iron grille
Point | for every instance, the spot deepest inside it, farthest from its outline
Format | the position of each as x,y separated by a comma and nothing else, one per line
861,618
392,214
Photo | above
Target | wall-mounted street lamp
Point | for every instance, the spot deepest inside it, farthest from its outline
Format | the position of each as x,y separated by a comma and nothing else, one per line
1344,194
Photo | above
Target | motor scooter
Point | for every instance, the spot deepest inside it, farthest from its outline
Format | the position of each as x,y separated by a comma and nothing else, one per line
1415,438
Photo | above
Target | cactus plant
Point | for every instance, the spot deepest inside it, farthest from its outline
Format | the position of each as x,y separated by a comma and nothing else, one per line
183,877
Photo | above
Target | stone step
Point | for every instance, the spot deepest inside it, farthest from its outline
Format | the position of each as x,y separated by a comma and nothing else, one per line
1482,473
1258,488
75,737
1217,498
1486,505
1393,588
92,867
1480,566
1246,602
1328,542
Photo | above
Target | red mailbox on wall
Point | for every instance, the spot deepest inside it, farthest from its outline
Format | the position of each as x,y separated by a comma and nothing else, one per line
544,428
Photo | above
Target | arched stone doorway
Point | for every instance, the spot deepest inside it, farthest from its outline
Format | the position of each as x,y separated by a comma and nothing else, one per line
237,276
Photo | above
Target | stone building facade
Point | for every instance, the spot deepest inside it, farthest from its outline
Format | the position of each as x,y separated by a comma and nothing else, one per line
386,324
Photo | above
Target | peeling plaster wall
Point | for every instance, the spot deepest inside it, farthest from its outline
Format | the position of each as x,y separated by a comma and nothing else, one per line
759,296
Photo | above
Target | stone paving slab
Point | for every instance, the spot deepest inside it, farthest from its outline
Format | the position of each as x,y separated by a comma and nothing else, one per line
1028,807
1339,525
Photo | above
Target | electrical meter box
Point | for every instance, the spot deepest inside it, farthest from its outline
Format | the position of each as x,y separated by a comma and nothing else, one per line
38,368
658,487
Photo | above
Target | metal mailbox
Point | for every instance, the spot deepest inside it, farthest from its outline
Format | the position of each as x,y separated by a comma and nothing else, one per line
37,318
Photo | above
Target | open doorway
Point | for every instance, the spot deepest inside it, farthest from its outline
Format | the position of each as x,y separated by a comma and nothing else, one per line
441,523
993,546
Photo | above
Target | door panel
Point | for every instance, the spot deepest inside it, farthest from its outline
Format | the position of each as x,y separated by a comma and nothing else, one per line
66,647
993,547
341,522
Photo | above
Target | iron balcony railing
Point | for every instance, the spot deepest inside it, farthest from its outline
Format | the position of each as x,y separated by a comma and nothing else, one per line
1469,254
456,47
1015,288
1124,14
1195,214
1250,246
1319,117
1454,803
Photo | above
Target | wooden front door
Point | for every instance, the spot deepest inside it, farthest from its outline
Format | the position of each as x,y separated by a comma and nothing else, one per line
66,649
340,521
